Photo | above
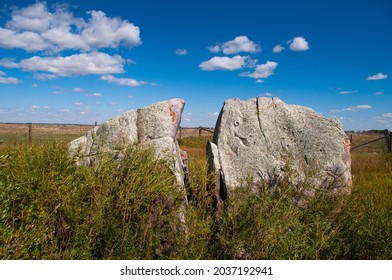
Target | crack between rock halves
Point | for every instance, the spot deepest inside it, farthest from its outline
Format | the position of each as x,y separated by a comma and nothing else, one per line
137,126
258,119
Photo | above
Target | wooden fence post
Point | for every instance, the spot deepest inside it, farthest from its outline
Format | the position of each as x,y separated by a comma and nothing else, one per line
30,128
351,139
200,131
388,139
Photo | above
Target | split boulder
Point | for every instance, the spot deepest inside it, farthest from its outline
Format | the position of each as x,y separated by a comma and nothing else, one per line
155,125
266,141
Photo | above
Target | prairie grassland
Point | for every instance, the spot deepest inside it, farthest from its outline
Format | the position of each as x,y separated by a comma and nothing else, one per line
51,208
13,134
367,220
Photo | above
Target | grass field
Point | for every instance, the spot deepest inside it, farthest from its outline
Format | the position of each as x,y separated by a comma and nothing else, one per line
42,133
12,134
51,208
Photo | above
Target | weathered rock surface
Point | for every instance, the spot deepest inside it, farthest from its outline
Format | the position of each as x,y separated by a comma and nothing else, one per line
154,125
266,141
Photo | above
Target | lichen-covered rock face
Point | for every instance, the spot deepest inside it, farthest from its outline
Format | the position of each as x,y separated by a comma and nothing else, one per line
266,141
154,125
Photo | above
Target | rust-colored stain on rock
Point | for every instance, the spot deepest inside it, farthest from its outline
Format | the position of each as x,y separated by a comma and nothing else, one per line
346,156
172,114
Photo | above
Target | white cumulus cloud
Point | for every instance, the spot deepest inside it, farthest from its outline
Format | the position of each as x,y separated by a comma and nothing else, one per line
8,63
262,70
267,94
214,114
124,81
181,52
237,45
298,44
95,94
32,18
102,32
44,76
27,40
348,91
77,64
361,107
224,63
378,76
352,109
214,49
9,80
35,28
277,49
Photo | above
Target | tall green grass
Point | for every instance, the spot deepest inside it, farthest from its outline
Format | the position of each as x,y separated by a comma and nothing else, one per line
51,208
195,141
365,225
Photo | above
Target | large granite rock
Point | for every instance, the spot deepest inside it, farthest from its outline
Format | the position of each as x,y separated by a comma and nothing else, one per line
154,125
266,141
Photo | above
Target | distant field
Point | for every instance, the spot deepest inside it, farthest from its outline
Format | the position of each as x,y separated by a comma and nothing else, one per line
40,133
194,131
11,134
362,138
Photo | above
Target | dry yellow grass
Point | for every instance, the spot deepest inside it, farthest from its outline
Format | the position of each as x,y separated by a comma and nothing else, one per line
19,133
6,128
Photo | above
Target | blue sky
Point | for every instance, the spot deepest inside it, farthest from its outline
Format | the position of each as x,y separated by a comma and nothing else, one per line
87,61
